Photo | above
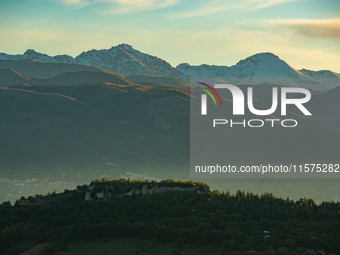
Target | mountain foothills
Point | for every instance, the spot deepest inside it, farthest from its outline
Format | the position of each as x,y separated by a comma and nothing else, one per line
124,59
178,218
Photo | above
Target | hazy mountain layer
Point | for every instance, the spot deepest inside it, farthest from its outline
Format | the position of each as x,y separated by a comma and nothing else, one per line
44,70
9,77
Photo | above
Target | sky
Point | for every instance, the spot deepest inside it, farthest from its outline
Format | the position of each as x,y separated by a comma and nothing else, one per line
304,33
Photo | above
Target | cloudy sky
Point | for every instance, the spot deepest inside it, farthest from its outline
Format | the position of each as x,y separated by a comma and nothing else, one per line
304,33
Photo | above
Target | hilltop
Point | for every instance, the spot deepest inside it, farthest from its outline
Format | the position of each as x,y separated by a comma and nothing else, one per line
242,223
105,189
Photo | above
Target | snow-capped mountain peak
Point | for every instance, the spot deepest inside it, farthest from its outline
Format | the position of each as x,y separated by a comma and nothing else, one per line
256,66
126,60
37,56
30,52
263,67
260,57
124,46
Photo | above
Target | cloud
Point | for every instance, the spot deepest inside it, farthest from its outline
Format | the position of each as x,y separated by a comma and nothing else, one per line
123,6
201,8
128,6
77,4
216,6
218,47
71,1
312,28
259,4
26,38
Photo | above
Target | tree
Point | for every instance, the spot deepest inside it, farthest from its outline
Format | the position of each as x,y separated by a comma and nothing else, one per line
228,245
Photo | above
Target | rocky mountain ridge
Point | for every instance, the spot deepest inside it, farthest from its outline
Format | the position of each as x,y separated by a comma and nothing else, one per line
123,59
264,67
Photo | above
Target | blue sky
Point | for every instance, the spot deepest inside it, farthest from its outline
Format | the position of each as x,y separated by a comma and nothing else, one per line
304,33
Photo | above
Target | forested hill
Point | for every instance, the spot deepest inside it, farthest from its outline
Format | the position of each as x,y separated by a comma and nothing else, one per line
242,223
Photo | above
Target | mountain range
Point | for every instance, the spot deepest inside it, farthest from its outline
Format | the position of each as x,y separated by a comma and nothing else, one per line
121,59
70,119
265,67
126,60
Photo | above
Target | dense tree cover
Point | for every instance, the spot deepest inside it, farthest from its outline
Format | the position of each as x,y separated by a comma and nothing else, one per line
244,222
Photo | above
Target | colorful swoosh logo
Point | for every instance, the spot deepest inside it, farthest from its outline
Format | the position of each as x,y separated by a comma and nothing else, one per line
213,90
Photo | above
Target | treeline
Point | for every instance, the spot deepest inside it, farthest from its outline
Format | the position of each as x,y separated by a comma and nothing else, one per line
125,185
244,222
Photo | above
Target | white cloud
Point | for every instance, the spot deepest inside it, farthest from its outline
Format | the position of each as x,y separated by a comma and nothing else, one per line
222,46
311,28
216,6
127,6
226,46
259,4
123,6
71,1
205,7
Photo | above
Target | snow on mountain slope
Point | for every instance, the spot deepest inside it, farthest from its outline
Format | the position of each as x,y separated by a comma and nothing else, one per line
203,70
121,59
320,74
29,54
261,67
126,60
332,79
